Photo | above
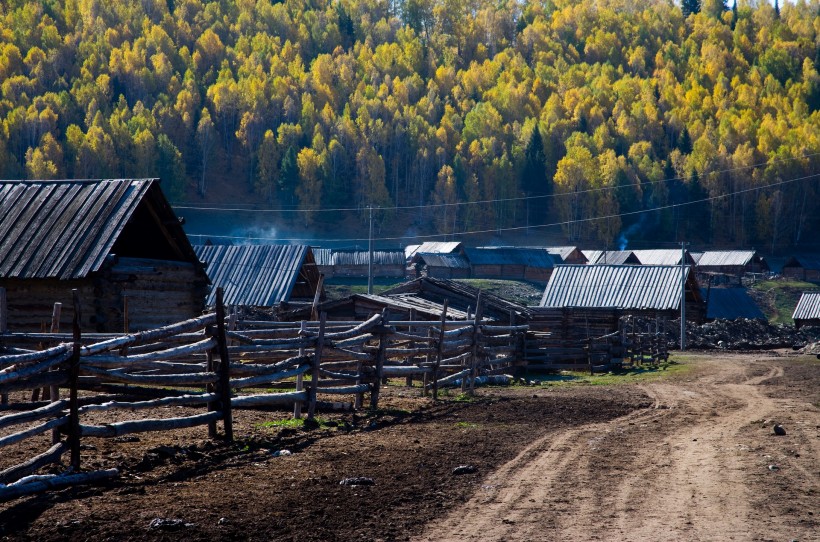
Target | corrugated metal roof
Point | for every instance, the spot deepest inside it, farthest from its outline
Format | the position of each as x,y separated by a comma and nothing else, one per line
361,257
660,257
253,275
721,258
808,308
452,261
611,257
63,229
530,257
563,252
614,286
432,247
730,304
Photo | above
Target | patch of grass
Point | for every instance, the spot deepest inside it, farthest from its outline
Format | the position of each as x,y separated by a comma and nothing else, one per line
464,398
466,425
628,376
289,423
778,298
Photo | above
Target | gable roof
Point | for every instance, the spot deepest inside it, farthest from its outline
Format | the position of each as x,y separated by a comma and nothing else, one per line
258,275
808,308
451,261
730,304
722,258
565,252
66,229
432,247
661,257
615,286
611,257
529,257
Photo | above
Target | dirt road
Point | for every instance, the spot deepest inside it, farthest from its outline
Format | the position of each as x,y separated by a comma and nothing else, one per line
702,464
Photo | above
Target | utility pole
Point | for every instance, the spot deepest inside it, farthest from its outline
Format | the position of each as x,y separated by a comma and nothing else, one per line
370,254
683,296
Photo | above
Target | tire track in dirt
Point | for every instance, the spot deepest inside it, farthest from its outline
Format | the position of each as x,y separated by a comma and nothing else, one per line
675,471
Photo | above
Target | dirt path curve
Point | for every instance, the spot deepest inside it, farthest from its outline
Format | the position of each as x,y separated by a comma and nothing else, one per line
692,467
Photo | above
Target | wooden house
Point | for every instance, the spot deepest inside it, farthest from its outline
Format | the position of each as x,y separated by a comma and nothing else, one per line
583,301
802,268
117,242
510,263
440,266
261,276
356,263
807,311
663,257
611,257
734,263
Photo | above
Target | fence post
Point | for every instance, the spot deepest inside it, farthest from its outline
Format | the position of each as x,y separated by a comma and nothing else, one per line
297,405
224,366
439,350
54,389
479,314
377,381
73,378
4,327
314,370
411,360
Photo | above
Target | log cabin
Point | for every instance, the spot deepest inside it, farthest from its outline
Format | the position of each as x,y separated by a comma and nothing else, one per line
118,242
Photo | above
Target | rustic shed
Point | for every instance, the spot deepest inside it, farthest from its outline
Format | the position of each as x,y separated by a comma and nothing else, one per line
510,263
324,260
463,297
807,311
730,262
118,242
362,306
730,304
355,263
577,295
441,266
568,255
802,268
261,275
432,247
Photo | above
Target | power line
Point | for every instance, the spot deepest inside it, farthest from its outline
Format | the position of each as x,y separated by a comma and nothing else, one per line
519,228
247,207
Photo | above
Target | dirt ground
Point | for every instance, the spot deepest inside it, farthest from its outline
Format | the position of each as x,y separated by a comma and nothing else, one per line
691,456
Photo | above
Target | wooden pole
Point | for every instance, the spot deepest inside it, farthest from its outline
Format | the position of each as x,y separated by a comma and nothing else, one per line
425,377
54,390
411,360
377,381
73,379
4,312
297,405
314,371
479,314
126,324
439,350
224,366
314,309
213,406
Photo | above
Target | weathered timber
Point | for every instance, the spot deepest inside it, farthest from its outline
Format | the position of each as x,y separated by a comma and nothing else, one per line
268,378
141,426
150,335
31,431
314,372
187,379
32,415
297,405
269,399
52,455
12,374
379,363
345,390
170,353
439,347
181,400
57,482
224,368
73,380
32,357
50,378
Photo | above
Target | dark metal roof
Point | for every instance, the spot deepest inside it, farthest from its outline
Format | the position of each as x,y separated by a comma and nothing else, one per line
64,229
529,257
808,308
254,275
452,261
614,286
730,304
806,262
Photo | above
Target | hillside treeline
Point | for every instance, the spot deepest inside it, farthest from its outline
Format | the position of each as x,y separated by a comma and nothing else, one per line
546,112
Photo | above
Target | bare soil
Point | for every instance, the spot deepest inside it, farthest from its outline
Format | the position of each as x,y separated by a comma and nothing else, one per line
690,457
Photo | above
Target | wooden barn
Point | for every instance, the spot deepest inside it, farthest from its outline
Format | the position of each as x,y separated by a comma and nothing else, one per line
261,276
588,300
118,242
611,257
510,263
730,262
662,257
440,266
807,311
802,268
433,247
356,263
568,255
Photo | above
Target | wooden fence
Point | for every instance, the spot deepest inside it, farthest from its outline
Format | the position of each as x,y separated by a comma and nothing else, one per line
220,364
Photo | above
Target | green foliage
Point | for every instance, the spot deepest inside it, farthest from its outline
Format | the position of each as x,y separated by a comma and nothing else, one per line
362,102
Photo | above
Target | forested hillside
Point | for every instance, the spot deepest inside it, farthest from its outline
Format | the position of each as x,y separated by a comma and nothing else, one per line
585,108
